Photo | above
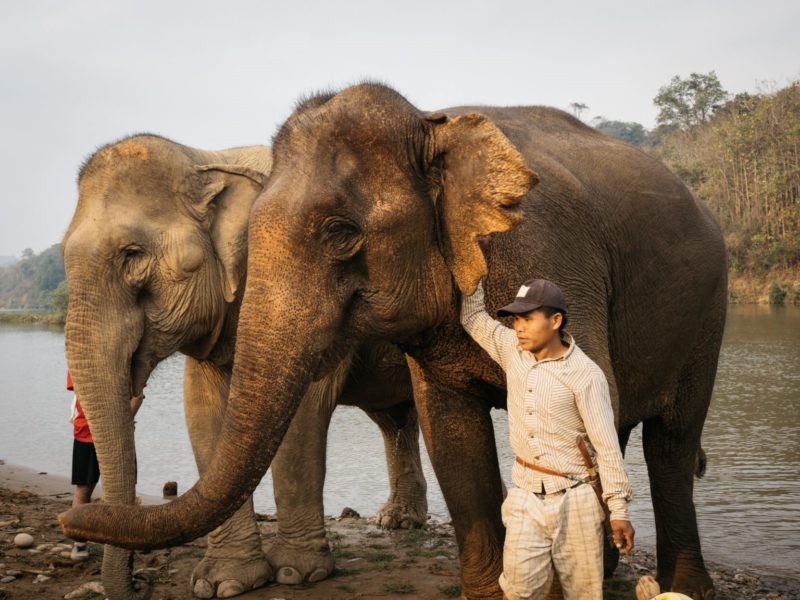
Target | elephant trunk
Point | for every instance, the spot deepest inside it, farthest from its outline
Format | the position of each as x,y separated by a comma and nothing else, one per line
274,363
100,337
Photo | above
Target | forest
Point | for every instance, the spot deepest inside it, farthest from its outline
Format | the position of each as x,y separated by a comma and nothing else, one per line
739,153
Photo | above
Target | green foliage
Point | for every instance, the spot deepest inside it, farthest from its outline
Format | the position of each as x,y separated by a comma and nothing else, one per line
631,132
398,587
58,299
687,102
29,282
744,162
777,294
451,591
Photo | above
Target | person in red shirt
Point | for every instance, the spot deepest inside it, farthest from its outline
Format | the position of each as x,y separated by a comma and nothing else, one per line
85,468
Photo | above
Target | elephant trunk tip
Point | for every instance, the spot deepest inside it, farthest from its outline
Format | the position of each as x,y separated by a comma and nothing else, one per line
93,522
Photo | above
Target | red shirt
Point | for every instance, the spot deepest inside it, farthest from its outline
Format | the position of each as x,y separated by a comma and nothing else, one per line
80,427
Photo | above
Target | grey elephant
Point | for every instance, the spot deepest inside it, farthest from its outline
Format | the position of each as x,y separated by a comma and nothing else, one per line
156,255
393,206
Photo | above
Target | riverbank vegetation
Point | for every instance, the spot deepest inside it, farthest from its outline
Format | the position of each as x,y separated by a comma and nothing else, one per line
739,153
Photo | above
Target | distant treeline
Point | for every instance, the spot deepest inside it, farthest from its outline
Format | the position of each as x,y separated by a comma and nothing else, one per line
739,154
34,282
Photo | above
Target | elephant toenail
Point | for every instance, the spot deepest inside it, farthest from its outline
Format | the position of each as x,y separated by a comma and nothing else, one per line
203,589
229,588
317,575
289,576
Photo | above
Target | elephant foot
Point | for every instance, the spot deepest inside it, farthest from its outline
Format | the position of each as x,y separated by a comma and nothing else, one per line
400,516
294,566
228,577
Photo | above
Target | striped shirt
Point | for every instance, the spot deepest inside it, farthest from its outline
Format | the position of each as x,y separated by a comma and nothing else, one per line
550,403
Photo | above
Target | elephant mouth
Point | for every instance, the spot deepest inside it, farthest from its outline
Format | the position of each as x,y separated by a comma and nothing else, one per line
142,366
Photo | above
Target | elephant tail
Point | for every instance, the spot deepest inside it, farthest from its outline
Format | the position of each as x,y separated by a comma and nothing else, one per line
700,463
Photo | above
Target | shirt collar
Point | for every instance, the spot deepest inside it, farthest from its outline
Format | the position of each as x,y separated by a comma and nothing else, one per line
566,355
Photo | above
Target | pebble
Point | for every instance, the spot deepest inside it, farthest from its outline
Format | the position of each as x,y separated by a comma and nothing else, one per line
7,579
23,540
43,547
13,573
34,551
41,578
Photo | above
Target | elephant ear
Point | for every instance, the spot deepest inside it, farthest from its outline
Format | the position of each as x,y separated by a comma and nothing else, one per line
225,201
480,179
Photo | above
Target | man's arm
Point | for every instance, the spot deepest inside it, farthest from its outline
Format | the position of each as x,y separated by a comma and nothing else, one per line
594,406
491,335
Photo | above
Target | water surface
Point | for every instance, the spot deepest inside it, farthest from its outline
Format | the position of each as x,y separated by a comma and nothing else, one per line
748,503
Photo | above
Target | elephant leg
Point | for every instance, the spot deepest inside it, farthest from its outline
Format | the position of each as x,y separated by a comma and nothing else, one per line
672,449
234,561
459,436
300,551
407,505
671,459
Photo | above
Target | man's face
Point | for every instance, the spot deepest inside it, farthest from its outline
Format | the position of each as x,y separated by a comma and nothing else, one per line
535,330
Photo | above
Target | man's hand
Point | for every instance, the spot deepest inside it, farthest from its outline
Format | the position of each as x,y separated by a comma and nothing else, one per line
623,535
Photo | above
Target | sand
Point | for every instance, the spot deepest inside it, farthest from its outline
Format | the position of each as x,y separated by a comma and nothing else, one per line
371,563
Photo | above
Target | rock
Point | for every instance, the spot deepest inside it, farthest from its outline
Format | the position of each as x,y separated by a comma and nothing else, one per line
13,573
40,578
23,540
7,579
43,547
66,554
34,551
94,587
170,489
349,513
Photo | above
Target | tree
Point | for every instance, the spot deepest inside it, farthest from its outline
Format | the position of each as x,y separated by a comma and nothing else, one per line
627,131
684,103
578,108
58,299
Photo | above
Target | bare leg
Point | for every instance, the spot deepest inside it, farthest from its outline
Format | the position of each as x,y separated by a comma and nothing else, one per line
83,494
234,562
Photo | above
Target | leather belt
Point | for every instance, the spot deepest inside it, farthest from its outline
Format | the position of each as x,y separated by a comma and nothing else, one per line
544,470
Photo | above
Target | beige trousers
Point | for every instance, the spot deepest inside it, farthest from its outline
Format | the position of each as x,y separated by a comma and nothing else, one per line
561,531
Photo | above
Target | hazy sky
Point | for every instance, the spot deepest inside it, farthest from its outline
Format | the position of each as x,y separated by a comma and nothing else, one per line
78,74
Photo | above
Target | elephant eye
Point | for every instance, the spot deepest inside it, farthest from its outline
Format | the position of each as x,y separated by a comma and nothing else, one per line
134,270
341,237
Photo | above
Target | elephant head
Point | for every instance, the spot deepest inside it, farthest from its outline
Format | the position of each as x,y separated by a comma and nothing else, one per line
372,211
154,257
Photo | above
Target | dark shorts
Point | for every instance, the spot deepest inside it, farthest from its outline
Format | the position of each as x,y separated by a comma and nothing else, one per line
85,468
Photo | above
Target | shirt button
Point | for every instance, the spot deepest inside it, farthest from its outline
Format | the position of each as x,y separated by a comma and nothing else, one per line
530,391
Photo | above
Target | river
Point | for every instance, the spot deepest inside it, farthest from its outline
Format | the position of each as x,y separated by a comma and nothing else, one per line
748,503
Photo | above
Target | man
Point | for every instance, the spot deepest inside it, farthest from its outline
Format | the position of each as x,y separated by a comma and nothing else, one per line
555,393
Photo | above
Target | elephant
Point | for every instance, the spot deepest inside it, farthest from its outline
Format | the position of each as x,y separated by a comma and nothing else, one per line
155,263
403,211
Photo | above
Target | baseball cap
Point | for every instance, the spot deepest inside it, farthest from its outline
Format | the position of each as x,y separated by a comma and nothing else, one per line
533,294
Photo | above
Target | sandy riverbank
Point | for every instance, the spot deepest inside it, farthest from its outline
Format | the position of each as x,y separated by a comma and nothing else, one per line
371,563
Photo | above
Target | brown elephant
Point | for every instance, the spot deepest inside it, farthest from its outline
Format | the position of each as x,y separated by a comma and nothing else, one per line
392,206
155,261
